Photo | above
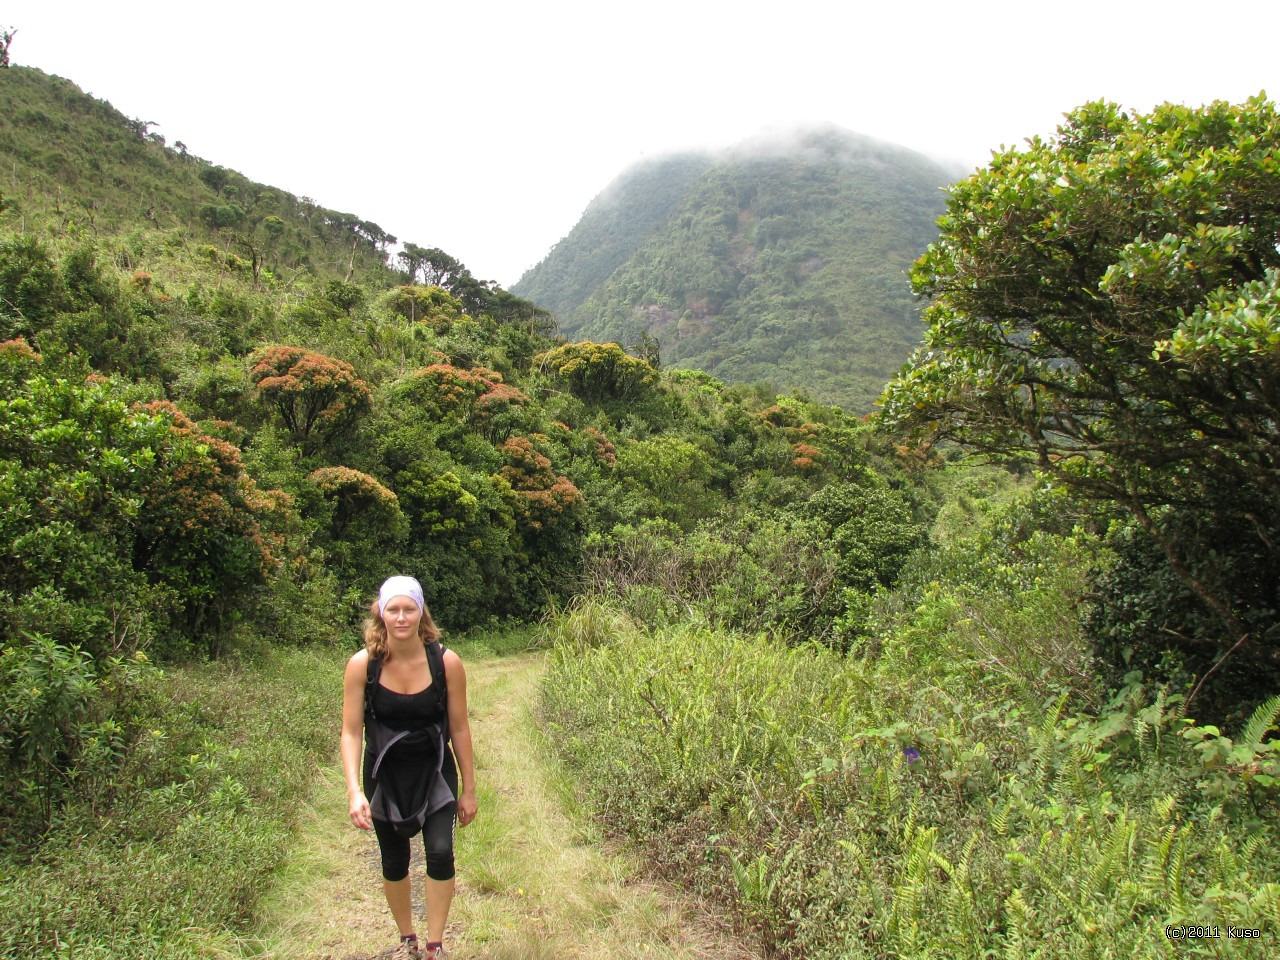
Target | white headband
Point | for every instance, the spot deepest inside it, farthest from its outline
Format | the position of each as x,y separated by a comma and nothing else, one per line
400,587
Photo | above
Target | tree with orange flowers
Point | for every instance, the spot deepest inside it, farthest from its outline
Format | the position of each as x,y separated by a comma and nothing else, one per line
317,397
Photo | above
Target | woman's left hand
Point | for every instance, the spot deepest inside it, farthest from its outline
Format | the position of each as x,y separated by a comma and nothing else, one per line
467,807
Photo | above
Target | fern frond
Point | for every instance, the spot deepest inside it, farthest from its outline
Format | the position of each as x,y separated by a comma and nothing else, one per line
1177,873
1157,720
1266,902
1000,822
1262,720
1164,808
1251,846
1105,870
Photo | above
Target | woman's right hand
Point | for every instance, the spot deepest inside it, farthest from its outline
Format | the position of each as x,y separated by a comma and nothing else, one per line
359,812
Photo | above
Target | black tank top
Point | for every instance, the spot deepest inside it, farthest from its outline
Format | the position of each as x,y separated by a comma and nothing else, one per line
407,711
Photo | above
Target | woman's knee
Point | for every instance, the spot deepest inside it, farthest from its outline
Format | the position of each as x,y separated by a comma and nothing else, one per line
394,872
437,844
394,850
395,863
440,864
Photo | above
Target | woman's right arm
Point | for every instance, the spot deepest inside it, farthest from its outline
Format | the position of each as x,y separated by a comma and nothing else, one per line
353,686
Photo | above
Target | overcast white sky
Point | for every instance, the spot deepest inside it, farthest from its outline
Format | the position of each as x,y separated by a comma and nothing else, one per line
484,127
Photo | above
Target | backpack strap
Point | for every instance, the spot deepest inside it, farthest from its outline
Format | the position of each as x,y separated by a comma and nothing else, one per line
435,660
372,673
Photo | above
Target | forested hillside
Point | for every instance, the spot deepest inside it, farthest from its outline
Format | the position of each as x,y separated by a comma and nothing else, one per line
778,262
1048,728
875,699
76,160
611,229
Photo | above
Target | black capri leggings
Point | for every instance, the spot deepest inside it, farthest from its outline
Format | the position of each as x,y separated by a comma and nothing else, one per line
437,838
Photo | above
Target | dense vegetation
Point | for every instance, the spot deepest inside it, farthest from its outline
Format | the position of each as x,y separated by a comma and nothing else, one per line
1106,304
777,263
883,703
964,786
1006,760
186,787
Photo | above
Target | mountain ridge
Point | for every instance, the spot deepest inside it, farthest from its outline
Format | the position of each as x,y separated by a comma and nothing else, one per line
783,260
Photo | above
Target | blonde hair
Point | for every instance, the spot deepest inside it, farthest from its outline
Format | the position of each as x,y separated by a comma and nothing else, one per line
375,632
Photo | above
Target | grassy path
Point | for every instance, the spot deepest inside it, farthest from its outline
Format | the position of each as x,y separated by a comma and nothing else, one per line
534,882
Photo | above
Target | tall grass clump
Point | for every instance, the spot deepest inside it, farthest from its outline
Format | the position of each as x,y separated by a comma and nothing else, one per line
960,786
170,850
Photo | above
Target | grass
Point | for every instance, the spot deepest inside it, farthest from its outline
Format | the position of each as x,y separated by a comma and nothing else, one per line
918,804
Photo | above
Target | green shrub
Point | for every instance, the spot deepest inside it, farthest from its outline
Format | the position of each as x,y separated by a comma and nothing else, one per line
1147,618
59,733
170,855
152,525
31,289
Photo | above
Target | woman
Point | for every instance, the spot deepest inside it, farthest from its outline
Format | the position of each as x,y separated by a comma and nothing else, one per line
409,697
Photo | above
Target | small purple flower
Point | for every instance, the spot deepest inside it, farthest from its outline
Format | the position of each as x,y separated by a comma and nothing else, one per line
911,753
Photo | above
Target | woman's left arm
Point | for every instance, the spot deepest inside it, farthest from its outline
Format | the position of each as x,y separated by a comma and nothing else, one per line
455,678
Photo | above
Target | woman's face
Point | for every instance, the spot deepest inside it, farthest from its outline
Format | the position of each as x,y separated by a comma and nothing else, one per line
401,615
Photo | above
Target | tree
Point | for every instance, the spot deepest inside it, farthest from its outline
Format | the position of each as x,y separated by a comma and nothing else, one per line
141,128
543,498
668,477
200,528
215,178
439,269
119,522
1109,300
598,372
507,308
343,295
316,396
31,290
433,305
477,398
6,38
648,349
413,257
216,216
366,521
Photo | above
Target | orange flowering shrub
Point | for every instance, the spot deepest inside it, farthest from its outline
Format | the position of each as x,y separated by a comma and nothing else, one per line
19,349
200,528
780,415
142,529
543,497
359,489
443,390
787,420
316,396
806,456
498,410
605,452
477,397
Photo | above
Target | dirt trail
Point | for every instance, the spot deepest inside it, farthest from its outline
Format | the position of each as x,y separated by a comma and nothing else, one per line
534,883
